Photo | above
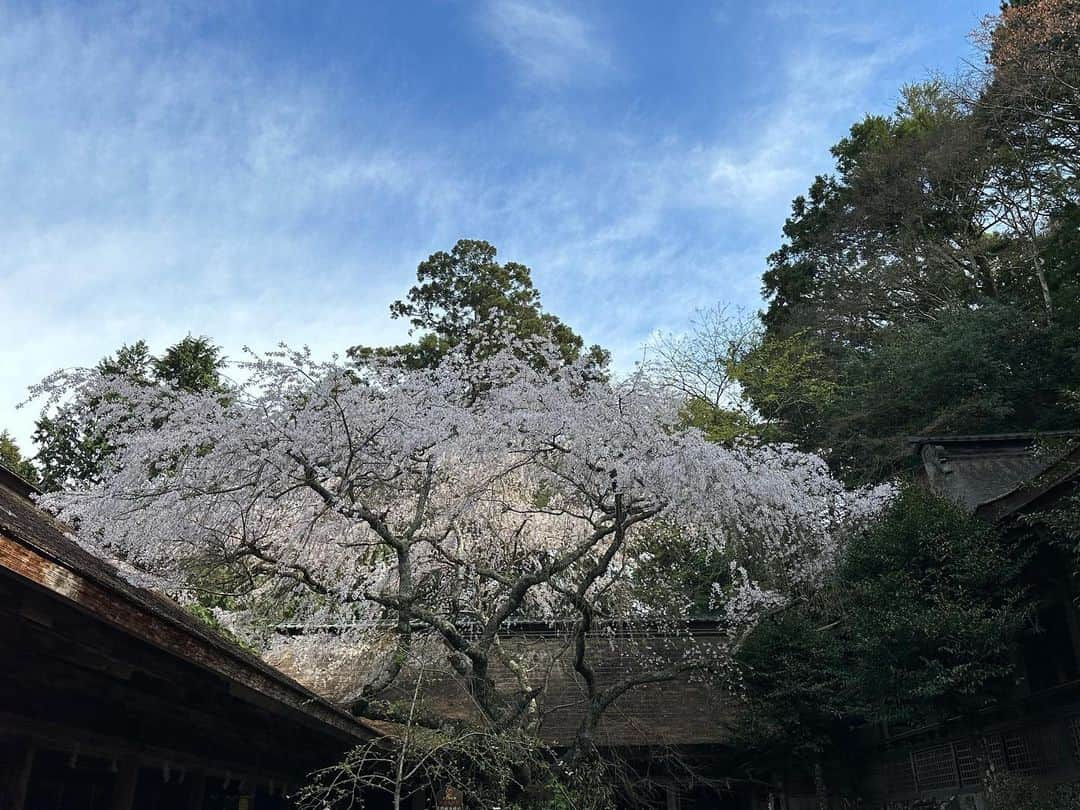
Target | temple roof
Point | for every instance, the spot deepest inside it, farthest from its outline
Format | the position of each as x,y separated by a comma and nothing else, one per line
987,474
686,711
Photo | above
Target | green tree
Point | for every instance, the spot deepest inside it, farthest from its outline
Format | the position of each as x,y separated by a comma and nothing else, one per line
971,370
796,714
931,612
1029,101
903,301
67,451
131,360
791,383
13,459
900,229
919,624
192,365
70,453
466,298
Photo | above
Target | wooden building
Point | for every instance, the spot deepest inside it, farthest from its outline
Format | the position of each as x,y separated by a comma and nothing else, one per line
672,737
1035,734
113,697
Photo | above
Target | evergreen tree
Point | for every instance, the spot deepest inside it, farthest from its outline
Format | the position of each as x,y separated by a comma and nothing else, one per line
13,459
71,453
466,298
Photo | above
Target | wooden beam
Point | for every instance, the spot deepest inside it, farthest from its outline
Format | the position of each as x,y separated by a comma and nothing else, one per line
136,614
196,790
82,674
16,762
58,737
127,780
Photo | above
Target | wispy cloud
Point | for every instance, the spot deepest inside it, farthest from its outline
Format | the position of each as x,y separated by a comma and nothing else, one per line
826,87
680,222
549,43
157,182
152,189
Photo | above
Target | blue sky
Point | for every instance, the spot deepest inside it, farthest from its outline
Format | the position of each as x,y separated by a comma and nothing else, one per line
269,171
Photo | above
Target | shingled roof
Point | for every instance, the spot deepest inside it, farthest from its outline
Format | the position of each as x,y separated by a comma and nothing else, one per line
687,711
37,547
1053,481
994,475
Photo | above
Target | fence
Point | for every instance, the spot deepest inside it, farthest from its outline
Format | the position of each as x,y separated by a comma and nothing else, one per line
1049,750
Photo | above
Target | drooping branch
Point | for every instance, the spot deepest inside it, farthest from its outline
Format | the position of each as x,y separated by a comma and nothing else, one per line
425,514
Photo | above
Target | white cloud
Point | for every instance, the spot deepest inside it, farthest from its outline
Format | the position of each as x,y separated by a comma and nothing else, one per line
826,90
678,222
550,44
151,189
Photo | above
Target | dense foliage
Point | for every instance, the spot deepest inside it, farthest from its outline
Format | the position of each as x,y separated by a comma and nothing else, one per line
918,624
930,283
71,452
12,458
931,608
1005,791
466,301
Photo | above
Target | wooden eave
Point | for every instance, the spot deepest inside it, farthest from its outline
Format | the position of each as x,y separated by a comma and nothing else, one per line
1035,492
96,590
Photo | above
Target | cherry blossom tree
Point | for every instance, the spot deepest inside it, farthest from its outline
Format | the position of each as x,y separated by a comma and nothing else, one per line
436,506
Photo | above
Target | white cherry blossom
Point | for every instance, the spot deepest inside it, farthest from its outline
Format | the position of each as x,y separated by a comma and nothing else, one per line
448,502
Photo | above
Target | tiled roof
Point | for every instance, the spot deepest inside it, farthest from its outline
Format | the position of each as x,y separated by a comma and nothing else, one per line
1054,480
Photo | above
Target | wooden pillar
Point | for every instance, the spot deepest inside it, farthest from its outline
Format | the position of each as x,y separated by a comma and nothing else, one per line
123,794
672,798
16,762
196,791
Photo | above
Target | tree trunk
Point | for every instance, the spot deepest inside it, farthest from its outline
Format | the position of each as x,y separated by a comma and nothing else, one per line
821,792
399,774
1040,273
